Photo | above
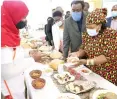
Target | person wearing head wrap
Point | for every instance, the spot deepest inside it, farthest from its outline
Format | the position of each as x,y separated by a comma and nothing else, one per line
13,18
100,46
112,21
13,63
57,30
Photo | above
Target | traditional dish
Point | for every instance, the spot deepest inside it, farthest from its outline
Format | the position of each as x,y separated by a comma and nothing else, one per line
108,95
38,83
64,77
79,86
35,74
55,63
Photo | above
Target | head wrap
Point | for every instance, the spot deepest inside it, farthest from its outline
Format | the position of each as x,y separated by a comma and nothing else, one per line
97,16
12,12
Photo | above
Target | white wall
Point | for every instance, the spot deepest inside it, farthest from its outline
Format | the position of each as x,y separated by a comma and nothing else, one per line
108,4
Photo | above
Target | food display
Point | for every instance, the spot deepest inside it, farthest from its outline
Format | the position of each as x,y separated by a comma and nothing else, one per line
108,95
56,55
38,83
79,86
85,71
55,63
104,94
44,48
45,59
26,46
64,77
35,74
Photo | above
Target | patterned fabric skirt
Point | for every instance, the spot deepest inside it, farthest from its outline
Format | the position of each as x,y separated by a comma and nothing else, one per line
109,73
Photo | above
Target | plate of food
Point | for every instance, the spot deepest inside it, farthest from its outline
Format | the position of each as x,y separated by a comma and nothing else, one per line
55,63
77,87
64,77
68,96
44,48
56,55
45,59
85,71
104,94
38,83
34,74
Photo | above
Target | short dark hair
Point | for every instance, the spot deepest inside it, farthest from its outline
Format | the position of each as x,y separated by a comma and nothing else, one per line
87,4
68,12
77,2
57,13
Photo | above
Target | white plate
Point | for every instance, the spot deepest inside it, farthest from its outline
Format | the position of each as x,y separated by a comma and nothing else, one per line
89,71
63,82
69,95
80,71
87,85
98,92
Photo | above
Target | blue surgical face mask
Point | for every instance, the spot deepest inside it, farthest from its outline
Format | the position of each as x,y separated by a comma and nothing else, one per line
76,16
114,13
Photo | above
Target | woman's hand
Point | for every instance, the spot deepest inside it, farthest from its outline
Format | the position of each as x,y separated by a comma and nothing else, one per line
77,62
81,62
74,54
72,59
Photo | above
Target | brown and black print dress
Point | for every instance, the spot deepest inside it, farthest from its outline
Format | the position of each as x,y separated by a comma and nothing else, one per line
103,44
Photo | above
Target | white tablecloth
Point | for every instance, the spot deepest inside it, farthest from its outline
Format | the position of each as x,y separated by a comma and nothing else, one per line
50,91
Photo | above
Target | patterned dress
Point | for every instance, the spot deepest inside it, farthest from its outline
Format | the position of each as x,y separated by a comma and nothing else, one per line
103,44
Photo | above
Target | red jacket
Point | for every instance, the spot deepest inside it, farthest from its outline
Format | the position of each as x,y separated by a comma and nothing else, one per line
12,12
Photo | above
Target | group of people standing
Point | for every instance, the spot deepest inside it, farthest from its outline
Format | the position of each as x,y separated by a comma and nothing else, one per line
55,25
91,36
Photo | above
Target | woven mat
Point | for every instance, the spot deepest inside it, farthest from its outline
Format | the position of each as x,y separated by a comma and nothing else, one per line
62,89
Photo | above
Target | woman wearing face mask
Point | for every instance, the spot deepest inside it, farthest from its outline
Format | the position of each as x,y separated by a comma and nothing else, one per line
112,21
100,45
13,18
57,31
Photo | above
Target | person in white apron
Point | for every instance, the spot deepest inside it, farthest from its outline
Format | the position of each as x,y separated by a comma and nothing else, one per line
57,31
13,18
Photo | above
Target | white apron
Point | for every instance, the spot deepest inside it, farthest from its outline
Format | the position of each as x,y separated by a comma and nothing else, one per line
12,71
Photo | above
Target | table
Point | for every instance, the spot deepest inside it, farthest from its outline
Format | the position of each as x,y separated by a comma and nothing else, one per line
50,91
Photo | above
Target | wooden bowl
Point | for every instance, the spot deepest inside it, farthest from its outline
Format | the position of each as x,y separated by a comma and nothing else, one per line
35,74
38,83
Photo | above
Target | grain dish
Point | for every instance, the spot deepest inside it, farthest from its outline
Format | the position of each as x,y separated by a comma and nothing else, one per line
38,83
35,74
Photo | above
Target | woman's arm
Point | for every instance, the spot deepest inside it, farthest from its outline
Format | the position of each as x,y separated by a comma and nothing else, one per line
79,53
95,61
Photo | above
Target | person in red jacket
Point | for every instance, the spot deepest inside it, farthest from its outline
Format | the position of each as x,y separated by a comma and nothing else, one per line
13,18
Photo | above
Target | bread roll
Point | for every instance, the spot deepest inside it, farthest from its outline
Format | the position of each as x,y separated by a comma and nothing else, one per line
55,63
